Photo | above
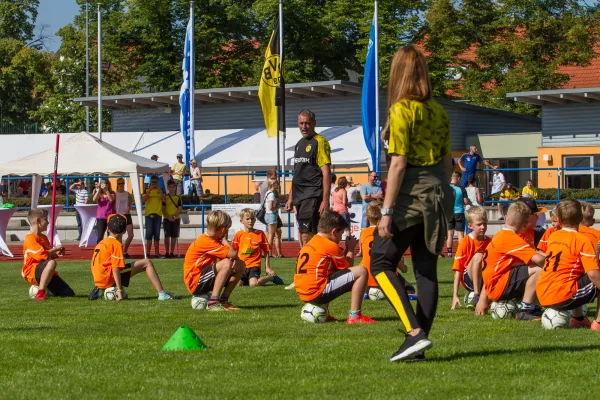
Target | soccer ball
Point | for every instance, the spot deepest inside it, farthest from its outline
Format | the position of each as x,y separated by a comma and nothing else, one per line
33,291
110,294
554,319
376,294
468,299
200,302
503,309
583,309
313,314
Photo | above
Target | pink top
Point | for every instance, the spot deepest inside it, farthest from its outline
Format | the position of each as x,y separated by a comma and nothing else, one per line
340,201
105,207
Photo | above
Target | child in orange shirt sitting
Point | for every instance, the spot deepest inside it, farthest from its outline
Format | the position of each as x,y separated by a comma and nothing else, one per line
543,243
324,272
571,276
39,266
251,244
511,266
212,265
469,254
586,227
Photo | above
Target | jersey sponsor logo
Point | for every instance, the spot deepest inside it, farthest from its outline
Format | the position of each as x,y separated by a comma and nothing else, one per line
468,158
308,148
301,159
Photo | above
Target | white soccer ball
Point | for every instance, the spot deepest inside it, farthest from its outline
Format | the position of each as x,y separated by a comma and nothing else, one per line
468,299
110,294
313,314
33,291
554,319
503,309
583,309
376,294
200,302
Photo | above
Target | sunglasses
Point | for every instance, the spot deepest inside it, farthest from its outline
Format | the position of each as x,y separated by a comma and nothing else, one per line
120,183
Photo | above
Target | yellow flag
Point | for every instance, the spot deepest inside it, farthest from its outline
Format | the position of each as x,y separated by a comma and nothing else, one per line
269,82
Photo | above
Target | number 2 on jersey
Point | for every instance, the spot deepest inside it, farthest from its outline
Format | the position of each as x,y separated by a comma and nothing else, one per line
300,269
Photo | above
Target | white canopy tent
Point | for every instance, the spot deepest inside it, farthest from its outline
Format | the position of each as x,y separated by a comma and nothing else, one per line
82,153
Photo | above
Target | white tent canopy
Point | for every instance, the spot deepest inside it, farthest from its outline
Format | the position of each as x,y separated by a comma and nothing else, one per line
82,153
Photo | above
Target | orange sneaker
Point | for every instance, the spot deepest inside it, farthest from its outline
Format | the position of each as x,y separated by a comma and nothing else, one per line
585,323
41,295
229,307
361,319
595,326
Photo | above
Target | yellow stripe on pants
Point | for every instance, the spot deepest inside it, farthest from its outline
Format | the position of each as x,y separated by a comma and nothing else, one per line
392,295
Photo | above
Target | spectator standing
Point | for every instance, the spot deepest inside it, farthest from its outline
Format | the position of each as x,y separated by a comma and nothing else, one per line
475,198
81,197
262,187
172,208
272,211
369,192
457,222
123,206
498,185
105,197
43,191
154,199
352,190
179,171
161,183
195,180
333,186
468,164
340,202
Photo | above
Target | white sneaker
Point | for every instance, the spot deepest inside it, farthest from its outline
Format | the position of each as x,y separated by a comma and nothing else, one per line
290,286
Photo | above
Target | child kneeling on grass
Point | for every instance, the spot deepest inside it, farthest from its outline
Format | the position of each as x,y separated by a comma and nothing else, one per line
211,263
39,267
250,244
511,266
571,277
469,255
109,268
323,272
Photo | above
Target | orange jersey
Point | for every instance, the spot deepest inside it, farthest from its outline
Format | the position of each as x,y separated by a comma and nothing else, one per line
529,237
108,254
590,233
366,242
35,251
318,259
543,243
250,246
570,255
505,251
467,248
203,251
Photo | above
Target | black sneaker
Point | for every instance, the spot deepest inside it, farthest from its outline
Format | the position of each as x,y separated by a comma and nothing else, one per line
418,357
126,255
412,346
529,315
95,294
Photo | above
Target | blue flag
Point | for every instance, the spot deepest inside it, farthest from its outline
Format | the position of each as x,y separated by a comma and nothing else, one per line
369,94
184,94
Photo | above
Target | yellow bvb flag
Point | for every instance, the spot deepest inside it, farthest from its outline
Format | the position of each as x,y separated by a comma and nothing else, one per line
269,82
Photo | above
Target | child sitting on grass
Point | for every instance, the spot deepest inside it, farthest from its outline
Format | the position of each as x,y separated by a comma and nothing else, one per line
324,272
39,266
469,255
571,277
251,244
586,226
212,265
109,268
511,266
543,243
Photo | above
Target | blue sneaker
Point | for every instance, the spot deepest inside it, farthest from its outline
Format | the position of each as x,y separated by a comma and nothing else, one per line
413,297
278,281
366,296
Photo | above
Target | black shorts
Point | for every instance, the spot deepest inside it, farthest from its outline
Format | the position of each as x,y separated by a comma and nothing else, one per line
128,219
126,274
307,215
586,293
517,280
57,286
337,284
171,228
207,279
457,222
249,273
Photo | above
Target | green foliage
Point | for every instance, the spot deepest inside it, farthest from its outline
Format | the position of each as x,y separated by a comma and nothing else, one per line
565,194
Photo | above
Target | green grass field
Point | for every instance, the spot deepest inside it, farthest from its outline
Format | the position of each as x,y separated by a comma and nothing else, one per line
75,348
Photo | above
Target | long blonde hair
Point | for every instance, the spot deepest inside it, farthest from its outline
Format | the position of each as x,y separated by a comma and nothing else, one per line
409,76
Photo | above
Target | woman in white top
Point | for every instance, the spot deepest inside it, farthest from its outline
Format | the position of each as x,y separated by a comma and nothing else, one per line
474,195
195,180
123,207
271,210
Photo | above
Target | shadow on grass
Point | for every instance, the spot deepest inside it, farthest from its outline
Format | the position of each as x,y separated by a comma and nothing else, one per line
265,306
24,328
500,352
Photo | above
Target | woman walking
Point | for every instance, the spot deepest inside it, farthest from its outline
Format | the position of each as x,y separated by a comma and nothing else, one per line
272,210
418,199
123,207
105,197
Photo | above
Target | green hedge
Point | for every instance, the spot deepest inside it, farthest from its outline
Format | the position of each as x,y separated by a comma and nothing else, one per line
571,194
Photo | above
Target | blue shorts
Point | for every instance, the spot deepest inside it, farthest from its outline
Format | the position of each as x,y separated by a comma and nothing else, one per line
467,281
271,218
153,223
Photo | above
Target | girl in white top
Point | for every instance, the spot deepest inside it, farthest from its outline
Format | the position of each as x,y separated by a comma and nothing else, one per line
473,193
123,207
271,210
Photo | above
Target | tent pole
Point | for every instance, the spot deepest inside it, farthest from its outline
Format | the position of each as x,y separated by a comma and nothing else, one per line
99,72
137,197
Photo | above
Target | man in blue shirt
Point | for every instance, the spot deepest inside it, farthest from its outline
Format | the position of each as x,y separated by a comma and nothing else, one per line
369,192
458,219
468,165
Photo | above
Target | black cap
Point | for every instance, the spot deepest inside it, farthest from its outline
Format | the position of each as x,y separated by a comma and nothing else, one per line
117,224
532,205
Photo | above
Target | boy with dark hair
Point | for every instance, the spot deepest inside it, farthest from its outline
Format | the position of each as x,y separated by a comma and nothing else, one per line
109,268
323,272
457,223
39,266
212,265
171,209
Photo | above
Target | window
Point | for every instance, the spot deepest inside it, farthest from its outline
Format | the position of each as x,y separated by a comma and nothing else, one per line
533,175
510,176
582,176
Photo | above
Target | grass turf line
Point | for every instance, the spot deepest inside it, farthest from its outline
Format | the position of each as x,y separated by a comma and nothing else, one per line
69,348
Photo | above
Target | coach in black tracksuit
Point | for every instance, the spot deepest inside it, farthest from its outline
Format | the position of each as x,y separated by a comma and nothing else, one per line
311,183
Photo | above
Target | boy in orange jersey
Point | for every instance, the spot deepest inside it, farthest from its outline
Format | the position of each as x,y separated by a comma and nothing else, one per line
586,227
571,275
511,266
324,273
469,254
543,243
39,265
251,244
109,268
212,265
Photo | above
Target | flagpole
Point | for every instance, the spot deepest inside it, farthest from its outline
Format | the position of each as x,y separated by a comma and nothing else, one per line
377,127
53,207
99,73
192,86
282,86
87,65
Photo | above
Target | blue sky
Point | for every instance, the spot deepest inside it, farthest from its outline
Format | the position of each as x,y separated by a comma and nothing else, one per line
56,14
